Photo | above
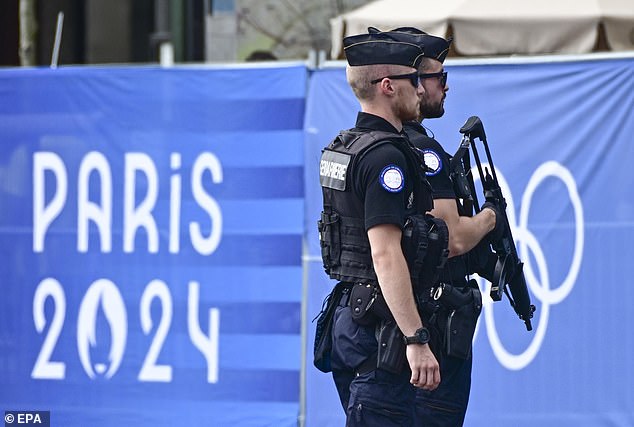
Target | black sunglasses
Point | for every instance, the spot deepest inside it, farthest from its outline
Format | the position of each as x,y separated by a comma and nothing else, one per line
413,78
442,75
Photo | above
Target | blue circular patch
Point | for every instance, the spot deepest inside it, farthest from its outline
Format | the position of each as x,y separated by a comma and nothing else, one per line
392,179
433,162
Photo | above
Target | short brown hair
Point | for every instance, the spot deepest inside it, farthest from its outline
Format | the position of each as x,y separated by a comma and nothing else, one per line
360,78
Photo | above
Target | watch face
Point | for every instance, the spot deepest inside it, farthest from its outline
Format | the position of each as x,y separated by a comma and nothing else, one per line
423,335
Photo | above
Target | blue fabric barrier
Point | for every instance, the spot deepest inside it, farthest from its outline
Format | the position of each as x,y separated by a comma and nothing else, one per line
138,286
153,223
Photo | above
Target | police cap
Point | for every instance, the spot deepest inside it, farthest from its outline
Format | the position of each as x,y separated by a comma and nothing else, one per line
379,48
433,47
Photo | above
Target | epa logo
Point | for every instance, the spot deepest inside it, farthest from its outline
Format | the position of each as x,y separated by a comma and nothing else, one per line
27,418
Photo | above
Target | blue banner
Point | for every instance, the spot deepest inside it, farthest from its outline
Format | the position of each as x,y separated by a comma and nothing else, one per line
156,226
151,231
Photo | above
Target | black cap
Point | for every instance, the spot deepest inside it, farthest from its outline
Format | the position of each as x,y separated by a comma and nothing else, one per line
379,48
433,47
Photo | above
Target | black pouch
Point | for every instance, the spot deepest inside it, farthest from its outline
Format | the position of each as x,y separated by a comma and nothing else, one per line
461,324
368,305
329,240
362,297
414,245
323,332
424,244
391,354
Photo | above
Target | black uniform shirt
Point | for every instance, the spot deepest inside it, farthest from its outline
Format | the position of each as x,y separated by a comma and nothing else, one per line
436,159
381,179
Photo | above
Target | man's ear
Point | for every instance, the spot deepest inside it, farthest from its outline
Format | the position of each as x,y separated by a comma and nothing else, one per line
387,87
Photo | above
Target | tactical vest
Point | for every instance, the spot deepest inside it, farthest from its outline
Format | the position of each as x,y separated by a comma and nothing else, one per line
456,267
344,243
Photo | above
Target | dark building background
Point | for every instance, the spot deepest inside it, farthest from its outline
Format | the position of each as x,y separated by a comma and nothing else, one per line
106,31
9,32
131,31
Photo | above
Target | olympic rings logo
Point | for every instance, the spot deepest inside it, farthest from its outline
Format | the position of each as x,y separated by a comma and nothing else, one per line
539,284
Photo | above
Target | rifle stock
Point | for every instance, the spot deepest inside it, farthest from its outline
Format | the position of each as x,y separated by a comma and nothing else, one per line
508,275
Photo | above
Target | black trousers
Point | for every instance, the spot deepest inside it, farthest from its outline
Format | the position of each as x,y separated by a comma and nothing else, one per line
447,405
376,398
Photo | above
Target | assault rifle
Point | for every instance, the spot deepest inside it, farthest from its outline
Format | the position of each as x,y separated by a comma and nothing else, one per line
508,274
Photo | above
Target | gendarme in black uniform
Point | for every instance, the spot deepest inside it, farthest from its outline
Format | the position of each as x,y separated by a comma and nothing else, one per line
437,161
370,175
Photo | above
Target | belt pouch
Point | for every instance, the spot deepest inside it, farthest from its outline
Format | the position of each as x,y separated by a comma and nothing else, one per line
391,352
330,240
461,324
362,297
323,332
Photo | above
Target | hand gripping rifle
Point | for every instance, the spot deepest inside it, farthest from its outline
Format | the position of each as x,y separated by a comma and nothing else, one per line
508,274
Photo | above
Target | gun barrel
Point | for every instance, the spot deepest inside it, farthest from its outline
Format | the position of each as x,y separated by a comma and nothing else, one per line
522,302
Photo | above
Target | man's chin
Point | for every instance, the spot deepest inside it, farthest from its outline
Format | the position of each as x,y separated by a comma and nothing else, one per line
434,115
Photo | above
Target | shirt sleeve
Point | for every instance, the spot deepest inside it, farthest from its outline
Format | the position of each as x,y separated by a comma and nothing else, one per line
383,184
438,174
437,162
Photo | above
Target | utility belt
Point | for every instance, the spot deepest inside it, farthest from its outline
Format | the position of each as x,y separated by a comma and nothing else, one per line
451,314
345,297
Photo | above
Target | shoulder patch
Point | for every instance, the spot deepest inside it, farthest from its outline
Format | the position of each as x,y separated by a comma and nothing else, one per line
432,161
392,178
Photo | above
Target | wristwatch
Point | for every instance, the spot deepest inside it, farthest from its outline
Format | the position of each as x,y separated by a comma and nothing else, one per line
421,336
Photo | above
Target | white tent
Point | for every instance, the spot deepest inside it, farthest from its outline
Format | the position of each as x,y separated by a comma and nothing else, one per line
500,27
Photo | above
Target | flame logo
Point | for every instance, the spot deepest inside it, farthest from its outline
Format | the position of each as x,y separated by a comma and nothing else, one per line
105,295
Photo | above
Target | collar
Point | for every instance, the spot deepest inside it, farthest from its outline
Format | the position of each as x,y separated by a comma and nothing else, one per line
416,126
372,122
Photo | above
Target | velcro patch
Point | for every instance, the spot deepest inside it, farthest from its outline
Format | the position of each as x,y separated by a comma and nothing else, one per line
333,167
432,161
392,178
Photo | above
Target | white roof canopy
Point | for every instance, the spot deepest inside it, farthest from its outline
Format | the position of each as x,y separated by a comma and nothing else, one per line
500,27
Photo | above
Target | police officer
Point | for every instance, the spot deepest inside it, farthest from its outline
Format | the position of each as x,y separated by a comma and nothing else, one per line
371,181
446,405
